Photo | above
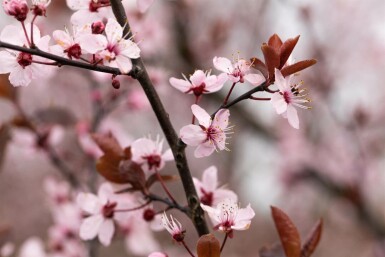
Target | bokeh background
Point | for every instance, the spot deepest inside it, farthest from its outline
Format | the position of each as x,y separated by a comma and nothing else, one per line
332,167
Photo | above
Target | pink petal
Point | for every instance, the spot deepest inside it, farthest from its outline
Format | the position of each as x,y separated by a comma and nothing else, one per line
214,83
198,185
292,116
221,119
223,64
106,232
202,116
62,38
90,227
204,150
210,179
78,4
168,156
89,202
245,213
255,79
129,49
222,194
198,78
141,241
180,84
143,5
20,77
279,103
105,192
192,135
280,81
92,43
241,225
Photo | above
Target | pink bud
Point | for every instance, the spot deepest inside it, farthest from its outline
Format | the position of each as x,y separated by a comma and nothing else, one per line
16,8
98,27
115,83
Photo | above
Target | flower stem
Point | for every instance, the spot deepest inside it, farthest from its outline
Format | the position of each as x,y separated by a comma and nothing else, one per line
188,249
228,95
135,208
260,98
33,20
224,241
25,33
164,186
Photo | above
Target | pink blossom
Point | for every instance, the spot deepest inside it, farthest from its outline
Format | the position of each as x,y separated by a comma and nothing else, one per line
102,213
238,71
208,191
227,216
174,227
200,83
119,51
143,5
209,135
32,247
16,8
89,11
40,7
288,97
73,45
22,66
7,249
148,153
58,192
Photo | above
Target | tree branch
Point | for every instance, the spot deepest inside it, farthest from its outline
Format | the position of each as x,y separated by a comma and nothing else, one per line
178,148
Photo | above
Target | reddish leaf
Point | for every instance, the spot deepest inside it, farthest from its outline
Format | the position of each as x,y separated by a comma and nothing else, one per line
108,144
275,42
259,65
296,67
6,89
166,178
271,59
108,167
286,49
208,246
288,233
133,174
313,240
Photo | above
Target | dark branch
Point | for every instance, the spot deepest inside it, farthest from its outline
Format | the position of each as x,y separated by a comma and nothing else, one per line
177,148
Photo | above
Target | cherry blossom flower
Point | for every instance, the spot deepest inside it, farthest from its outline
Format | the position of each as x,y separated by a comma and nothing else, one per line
227,216
40,6
208,191
143,5
23,67
7,249
174,227
288,97
58,192
73,45
119,51
238,71
210,134
102,213
148,153
16,8
32,247
200,83
158,254
88,11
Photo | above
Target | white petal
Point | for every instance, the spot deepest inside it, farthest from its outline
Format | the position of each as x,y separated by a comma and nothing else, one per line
124,64
202,116
280,81
167,155
221,119
223,64
114,31
222,194
106,232
62,38
279,103
8,62
89,202
129,49
78,4
214,83
90,227
20,77
292,116
92,43
242,225
192,135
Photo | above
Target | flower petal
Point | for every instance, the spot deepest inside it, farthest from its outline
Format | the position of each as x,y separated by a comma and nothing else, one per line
180,84
124,64
92,43
281,82
114,31
221,119
8,62
143,5
210,179
192,135
204,150
106,232
223,64
279,103
90,227
89,202
198,78
202,116
255,79
292,116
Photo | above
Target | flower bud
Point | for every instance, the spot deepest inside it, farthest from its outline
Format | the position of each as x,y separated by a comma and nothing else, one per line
148,214
115,83
16,8
98,27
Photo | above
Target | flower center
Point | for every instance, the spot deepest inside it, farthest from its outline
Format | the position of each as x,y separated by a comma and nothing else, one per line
24,59
74,51
287,97
207,198
108,210
153,161
199,90
18,10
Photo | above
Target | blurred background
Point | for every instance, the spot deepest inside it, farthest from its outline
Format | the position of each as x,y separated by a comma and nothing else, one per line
332,167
